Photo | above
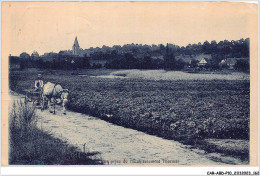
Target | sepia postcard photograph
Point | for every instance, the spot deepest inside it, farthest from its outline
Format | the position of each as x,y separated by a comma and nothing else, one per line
129,84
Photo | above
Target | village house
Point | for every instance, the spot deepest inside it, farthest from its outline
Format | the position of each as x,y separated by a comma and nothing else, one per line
157,57
230,62
202,62
189,58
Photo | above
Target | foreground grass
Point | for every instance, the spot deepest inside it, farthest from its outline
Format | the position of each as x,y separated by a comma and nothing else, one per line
188,110
42,149
31,146
230,147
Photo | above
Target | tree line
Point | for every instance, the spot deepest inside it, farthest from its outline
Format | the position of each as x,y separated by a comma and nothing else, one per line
138,56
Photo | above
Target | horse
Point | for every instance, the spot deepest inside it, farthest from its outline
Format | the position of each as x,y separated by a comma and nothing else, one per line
53,91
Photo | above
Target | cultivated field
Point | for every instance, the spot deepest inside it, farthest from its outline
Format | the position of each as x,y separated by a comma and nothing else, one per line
187,110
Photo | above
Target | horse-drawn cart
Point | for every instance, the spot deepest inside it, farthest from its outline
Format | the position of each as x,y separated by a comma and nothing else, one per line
34,96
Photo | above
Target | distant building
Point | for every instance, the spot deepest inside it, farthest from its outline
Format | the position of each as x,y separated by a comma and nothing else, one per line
189,58
202,62
35,54
231,62
157,57
223,62
76,48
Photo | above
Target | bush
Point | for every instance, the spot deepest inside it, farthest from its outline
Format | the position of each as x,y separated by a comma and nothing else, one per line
22,120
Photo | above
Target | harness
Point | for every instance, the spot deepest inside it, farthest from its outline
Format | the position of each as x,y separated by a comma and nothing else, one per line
53,90
51,95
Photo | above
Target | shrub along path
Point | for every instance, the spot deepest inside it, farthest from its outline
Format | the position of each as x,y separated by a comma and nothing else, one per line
28,145
118,144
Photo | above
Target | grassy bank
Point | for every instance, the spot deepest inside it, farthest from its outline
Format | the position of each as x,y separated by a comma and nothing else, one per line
230,147
185,110
31,146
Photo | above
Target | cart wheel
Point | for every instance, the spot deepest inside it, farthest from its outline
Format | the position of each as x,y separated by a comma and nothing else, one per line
25,99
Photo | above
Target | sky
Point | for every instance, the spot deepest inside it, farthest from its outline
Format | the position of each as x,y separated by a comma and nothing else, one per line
53,26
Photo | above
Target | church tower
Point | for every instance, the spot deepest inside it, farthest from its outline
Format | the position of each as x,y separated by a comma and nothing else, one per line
75,47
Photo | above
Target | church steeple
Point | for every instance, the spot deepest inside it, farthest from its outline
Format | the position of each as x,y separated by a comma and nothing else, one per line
75,47
76,43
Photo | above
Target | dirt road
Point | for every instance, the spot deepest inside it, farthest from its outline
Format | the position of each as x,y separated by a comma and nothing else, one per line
119,145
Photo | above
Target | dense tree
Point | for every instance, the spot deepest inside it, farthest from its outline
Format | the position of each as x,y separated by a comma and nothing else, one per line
242,65
214,61
86,62
206,47
147,63
169,61
213,46
179,64
194,63
25,55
